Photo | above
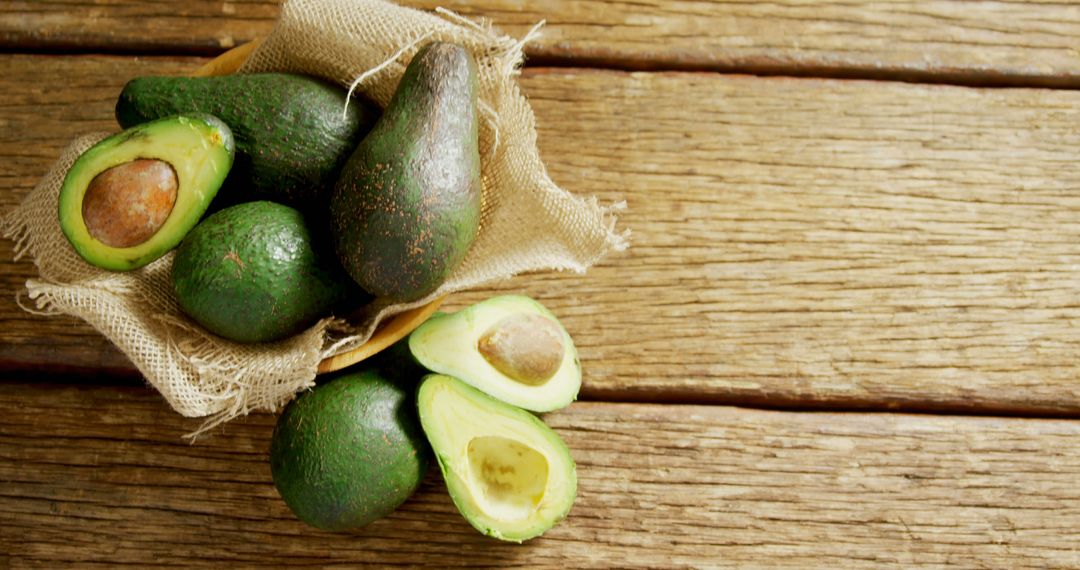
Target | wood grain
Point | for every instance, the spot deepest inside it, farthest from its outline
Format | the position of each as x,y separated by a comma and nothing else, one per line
100,476
48,101
1004,42
823,241
795,242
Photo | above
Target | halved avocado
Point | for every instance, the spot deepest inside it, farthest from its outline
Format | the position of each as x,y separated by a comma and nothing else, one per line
510,347
507,472
133,196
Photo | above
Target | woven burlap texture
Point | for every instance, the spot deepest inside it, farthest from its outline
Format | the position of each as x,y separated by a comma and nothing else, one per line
528,223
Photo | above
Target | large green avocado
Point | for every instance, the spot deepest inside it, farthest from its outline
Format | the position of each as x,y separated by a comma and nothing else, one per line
508,473
350,451
291,135
133,196
406,207
255,272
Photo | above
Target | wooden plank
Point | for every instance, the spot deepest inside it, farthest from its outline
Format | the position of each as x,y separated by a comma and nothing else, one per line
796,242
823,242
1018,41
48,101
100,476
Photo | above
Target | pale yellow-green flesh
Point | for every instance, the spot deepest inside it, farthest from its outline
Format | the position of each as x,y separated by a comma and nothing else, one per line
509,474
447,344
507,478
192,147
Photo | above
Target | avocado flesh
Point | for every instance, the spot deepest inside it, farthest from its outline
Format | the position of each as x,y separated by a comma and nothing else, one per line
255,272
199,149
349,451
449,343
406,208
507,472
291,135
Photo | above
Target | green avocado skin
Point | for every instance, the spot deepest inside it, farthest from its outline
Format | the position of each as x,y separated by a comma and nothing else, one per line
350,451
406,208
254,273
160,134
291,136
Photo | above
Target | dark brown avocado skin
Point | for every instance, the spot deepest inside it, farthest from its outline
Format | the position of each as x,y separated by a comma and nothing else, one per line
406,207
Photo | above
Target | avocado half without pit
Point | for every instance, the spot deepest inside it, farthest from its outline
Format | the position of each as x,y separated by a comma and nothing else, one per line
133,196
507,472
510,347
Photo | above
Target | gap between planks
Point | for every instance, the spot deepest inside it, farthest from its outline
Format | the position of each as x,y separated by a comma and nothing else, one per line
1003,43
536,59
100,475
884,245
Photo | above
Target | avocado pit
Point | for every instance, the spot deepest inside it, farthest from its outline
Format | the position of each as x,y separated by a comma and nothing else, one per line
527,348
127,204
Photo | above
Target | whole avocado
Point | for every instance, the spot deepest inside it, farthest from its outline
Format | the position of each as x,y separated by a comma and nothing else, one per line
291,136
350,451
406,208
255,272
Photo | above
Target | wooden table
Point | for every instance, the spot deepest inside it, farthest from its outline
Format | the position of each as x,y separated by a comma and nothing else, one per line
847,333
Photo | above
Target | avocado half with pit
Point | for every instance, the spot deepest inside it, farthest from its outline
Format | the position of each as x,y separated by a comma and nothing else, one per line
133,196
511,347
507,472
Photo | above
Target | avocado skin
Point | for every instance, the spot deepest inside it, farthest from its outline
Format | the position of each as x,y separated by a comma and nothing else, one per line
349,451
406,207
291,137
192,201
450,443
255,273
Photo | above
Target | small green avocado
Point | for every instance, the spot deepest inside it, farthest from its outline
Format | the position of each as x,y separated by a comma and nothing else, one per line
406,208
510,347
291,135
349,451
133,196
507,472
254,273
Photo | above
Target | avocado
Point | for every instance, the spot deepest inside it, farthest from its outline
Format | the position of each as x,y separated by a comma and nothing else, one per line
510,347
132,197
291,136
254,273
508,473
349,451
406,207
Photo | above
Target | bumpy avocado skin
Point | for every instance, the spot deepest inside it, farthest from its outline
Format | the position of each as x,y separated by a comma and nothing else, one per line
350,451
291,137
254,272
406,207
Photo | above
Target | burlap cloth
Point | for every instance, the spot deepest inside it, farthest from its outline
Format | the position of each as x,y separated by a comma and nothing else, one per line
528,223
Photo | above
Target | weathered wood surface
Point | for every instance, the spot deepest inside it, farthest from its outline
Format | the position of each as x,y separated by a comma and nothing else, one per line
796,242
47,102
1015,42
100,476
